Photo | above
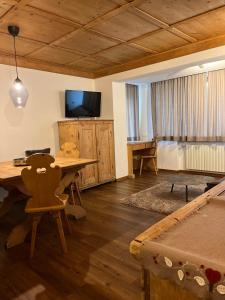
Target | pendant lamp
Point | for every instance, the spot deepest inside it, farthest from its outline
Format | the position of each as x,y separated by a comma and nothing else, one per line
18,91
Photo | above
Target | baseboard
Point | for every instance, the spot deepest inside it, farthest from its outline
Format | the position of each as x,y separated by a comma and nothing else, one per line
122,178
206,173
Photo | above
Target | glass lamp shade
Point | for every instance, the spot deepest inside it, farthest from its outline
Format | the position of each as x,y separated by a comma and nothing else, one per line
18,93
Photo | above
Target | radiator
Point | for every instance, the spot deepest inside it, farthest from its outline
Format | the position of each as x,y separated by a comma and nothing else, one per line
205,157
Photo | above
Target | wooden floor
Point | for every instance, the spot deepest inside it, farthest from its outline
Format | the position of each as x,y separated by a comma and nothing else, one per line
98,265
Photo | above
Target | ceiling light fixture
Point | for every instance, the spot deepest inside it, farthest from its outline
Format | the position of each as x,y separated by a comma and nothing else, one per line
18,91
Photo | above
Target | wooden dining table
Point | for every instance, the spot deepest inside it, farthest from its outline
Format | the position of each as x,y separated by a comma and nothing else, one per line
11,180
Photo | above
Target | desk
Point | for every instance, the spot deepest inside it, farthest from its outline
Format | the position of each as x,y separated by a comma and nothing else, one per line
10,179
183,255
134,147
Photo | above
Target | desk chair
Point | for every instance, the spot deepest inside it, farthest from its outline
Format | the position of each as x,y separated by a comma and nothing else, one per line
152,156
70,150
41,180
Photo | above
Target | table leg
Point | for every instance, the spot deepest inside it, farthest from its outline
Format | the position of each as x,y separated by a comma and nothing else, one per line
172,188
186,192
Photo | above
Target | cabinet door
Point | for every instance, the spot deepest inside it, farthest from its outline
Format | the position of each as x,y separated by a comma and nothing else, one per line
87,148
105,151
68,133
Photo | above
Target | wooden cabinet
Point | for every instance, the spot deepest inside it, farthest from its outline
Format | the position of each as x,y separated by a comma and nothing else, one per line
94,139
105,151
87,148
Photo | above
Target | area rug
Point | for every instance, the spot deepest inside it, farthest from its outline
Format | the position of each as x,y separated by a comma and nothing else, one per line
159,198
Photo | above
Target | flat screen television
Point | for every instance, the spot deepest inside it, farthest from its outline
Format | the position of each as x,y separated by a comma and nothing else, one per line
82,104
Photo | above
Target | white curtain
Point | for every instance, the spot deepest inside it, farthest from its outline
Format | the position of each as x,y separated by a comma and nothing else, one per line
178,107
132,111
216,105
145,112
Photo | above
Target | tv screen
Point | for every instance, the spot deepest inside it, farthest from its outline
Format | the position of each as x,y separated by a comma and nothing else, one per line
82,104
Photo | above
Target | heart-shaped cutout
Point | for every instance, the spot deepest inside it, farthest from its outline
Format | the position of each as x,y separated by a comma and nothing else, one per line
41,170
212,276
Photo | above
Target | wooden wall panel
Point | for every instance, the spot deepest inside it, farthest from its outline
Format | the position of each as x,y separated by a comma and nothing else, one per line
177,10
81,11
170,54
162,41
92,64
4,7
55,55
87,42
122,53
23,46
36,27
126,26
205,26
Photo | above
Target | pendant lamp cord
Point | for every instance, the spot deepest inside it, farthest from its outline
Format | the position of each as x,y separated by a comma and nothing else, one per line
14,39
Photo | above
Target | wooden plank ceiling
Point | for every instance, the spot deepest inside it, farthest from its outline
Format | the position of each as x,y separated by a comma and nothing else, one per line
94,38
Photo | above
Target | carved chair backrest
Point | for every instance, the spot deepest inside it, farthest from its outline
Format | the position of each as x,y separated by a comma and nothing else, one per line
41,181
153,149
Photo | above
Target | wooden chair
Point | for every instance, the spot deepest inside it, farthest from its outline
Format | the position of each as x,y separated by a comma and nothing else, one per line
152,156
41,180
70,150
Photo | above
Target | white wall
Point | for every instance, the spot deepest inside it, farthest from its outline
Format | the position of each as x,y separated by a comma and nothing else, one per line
149,73
105,86
120,127
35,126
145,107
170,156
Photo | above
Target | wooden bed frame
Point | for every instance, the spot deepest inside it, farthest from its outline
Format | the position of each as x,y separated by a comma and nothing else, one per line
153,287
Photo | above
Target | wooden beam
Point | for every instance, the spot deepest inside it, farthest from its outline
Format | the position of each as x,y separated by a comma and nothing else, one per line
120,42
150,18
141,47
162,25
181,34
26,62
167,55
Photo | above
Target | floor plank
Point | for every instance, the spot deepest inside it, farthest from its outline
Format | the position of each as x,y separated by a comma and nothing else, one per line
98,265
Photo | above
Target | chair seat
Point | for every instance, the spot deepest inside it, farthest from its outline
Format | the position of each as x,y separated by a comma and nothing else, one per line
63,198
